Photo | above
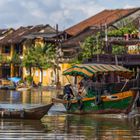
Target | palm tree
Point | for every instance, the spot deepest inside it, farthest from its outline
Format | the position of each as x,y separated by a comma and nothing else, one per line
29,59
41,57
15,59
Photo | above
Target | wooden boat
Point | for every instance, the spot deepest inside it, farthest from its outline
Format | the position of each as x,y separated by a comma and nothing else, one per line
7,87
18,111
101,99
23,88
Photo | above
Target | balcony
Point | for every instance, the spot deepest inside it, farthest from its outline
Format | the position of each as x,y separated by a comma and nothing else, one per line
126,59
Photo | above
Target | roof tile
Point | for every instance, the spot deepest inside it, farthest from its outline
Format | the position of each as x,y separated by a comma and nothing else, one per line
104,17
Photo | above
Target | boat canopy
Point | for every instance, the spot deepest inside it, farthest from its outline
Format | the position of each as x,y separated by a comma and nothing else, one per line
14,79
89,70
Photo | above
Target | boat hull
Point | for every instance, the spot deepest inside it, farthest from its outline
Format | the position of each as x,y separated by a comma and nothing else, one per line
109,104
23,89
35,113
105,107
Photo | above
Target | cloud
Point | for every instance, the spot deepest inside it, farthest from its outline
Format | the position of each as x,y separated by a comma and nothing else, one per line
129,6
15,13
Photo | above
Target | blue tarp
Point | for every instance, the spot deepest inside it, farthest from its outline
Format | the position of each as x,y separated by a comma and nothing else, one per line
14,79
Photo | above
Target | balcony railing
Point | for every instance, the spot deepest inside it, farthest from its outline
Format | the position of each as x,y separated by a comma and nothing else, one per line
110,59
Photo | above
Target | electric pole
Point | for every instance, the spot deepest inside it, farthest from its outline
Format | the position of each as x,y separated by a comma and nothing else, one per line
57,59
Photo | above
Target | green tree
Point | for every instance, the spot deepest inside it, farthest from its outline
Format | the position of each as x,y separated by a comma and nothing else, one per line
118,50
1,59
91,46
15,59
41,57
127,28
29,59
4,60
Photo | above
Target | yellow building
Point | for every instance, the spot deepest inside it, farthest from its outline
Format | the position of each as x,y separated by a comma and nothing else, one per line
18,41
49,75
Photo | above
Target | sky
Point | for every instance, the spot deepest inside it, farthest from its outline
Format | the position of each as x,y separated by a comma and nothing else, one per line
65,13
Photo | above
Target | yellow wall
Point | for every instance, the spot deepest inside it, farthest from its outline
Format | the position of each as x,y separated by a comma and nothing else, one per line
63,79
39,41
49,75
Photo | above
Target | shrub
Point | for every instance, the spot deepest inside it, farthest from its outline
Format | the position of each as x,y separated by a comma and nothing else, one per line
29,79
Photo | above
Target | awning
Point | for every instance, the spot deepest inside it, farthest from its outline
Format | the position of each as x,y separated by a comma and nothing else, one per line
14,79
89,70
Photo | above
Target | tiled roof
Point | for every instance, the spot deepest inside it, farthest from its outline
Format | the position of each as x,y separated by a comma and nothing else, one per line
80,37
18,35
46,32
106,16
5,32
9,39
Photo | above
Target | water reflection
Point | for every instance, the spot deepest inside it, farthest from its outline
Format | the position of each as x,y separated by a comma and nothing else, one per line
21,129
92,127
61,126
31,97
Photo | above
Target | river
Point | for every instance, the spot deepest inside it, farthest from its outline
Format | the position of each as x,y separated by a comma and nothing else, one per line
60,126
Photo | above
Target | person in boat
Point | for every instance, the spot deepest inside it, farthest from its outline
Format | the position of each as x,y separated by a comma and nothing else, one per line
98,87
68,93
85,84
81,88
80,95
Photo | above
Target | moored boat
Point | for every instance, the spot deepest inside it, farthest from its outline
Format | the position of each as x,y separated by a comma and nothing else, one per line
7,87
23,88
19,111
101,97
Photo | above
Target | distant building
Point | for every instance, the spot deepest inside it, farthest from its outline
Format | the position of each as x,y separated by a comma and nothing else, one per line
110,19
68,43
18,41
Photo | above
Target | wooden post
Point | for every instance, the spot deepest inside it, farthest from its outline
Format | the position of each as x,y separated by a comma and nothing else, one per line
12,69
58,84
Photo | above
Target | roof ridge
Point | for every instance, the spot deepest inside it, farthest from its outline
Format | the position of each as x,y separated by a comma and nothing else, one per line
99,17
123,9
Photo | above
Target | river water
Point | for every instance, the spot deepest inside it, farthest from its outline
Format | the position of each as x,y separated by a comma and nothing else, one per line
60,126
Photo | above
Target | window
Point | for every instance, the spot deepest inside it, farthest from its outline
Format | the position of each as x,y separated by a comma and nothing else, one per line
6,49
36,73
18,49
44,73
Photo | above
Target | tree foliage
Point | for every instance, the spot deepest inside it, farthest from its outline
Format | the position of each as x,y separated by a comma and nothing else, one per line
41,57
127,29
15,59
1,59
4,60
118,50
91,46
77,60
